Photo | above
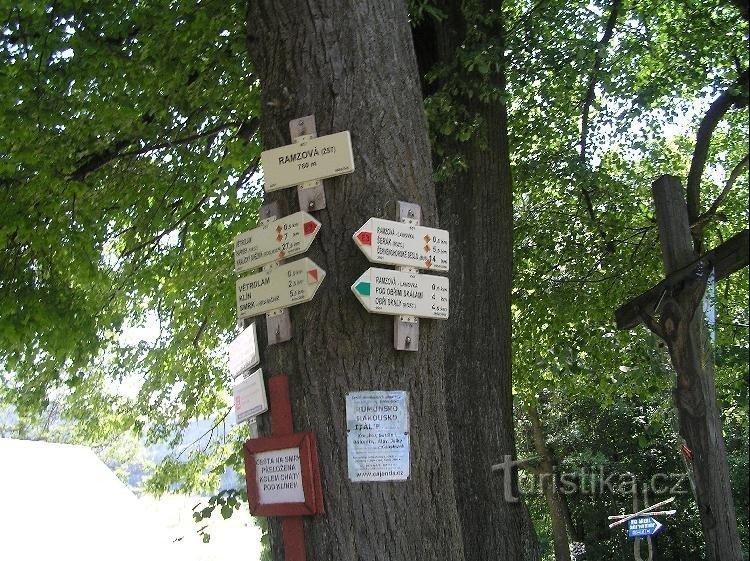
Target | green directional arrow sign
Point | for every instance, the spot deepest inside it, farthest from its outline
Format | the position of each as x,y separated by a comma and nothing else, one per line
384,291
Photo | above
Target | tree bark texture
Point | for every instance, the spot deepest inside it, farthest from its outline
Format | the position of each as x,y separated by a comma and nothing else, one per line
556,501
681,326
476,207
352,64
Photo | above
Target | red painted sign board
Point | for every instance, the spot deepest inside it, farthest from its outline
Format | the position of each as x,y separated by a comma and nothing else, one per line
284,467
283,472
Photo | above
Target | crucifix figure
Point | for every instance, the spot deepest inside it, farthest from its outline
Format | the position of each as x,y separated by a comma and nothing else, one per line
669,311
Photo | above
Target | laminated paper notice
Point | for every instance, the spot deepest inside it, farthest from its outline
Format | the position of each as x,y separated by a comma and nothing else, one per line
377,427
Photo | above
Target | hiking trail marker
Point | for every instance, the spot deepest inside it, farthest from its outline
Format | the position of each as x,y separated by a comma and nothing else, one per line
267,246
250,397
403,292
385,291
282,472
273,240
648,511
279,287
408,245
307,162
243,352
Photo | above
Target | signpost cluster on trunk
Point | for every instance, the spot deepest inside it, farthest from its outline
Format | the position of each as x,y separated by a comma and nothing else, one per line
282,471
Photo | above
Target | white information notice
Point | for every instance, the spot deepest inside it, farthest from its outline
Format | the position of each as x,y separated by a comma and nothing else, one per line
243,351
377,428
250,397
279,477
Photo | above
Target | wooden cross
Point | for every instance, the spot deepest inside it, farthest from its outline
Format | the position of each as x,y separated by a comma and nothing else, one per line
669,311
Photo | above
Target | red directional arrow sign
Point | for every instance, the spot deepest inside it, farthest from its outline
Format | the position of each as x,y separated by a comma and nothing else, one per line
408,245
274,240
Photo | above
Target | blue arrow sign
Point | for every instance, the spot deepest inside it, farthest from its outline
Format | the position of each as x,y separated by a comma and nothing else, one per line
643,527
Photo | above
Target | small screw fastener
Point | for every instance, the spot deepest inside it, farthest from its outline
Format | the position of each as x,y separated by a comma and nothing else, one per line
311,204
407,341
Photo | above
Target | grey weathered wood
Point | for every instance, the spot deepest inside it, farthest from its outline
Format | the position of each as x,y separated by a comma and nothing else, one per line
278,322
672,222
406,328
680,324
731,256
311,195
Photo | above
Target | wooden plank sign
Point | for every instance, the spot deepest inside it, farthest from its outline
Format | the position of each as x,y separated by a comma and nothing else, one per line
274,240
384,291
280,287
309,160
395,243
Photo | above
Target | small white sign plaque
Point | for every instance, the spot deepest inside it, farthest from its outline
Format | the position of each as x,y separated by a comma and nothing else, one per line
243,351
274,240
250,397
309,160
377,429
279,477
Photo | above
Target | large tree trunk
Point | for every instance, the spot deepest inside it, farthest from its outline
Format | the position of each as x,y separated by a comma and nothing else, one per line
352,64
476,207
681,325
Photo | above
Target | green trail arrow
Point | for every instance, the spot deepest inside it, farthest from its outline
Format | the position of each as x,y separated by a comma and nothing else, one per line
363,288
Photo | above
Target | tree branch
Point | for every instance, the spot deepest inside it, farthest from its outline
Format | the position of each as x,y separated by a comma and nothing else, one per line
594,77
589,100
706,217
113,152
164,232
735,95
185,140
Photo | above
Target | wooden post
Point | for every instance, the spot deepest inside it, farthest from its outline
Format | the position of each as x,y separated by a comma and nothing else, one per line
680,325
278,322
405,327
292,530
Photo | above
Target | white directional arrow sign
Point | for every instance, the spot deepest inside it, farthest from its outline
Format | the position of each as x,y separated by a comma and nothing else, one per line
283,286
309,160
273,240
384,291
396,243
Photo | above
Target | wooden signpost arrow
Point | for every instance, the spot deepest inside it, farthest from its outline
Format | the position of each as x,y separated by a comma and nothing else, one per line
385,291
397,243
274,240
283,286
